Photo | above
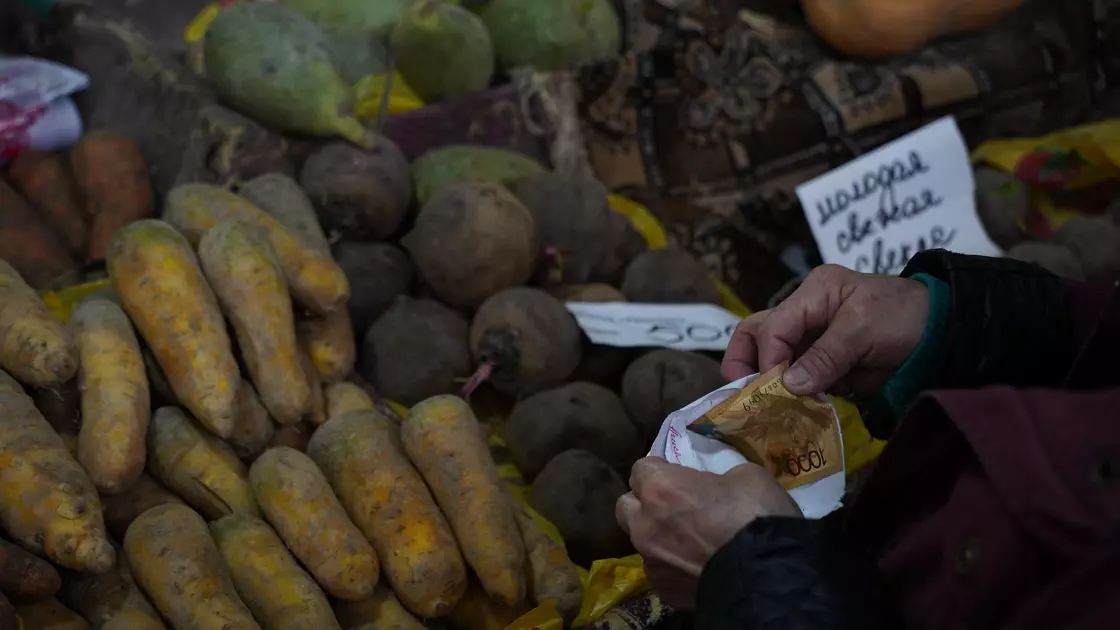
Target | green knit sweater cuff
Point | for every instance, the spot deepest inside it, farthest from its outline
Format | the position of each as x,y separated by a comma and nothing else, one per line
918,370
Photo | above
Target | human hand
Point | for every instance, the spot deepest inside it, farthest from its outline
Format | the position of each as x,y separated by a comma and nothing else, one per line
678,517
843,332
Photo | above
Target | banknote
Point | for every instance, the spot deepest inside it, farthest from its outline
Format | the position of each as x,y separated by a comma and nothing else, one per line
795,437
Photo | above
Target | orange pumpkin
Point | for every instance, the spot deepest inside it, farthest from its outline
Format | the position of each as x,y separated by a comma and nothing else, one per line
882,28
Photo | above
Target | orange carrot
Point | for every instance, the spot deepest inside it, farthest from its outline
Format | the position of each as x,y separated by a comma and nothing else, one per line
27,242
112,177
44,180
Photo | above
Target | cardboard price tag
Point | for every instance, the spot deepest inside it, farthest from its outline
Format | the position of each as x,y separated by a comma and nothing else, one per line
678,326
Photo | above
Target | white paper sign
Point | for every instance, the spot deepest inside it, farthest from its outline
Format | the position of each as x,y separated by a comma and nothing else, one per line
631,325
676,444
913,194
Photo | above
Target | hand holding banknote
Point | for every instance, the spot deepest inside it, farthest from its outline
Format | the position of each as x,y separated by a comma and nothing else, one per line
678,517
843,332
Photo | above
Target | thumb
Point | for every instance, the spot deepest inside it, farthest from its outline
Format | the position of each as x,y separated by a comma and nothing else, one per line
828,360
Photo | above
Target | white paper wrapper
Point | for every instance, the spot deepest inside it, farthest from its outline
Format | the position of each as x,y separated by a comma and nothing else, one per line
678,445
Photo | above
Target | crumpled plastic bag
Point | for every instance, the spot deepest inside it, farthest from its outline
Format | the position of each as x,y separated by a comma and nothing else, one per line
35,109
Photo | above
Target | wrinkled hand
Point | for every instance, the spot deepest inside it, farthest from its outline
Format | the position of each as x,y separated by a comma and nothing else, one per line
678,517
843,332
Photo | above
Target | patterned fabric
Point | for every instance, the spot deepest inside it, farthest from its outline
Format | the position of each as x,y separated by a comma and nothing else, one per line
722,107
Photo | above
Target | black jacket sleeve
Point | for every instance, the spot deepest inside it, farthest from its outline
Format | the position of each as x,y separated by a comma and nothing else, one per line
1009,322
791,574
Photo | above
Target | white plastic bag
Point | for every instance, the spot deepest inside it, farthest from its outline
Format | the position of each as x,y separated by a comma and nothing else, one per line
35,111
678,445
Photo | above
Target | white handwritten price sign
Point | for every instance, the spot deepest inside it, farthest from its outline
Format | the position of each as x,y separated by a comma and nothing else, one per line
913,194
631,325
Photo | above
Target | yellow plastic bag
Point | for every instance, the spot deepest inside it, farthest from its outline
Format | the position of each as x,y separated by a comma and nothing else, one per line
1069,172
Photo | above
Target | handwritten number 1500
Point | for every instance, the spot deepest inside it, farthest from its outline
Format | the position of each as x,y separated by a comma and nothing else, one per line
670,334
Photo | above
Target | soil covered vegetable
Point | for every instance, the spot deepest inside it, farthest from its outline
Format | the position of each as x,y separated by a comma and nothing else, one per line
577,492
574,416
472,240
360,194
573,223
378,273
662,382
524,341
668,276
418,349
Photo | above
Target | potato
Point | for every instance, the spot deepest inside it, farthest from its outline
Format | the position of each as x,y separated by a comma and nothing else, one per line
198,467
573,416
417,349
249,283
381,611
162,289
47,503
573,222
34,347
661,382
278,592
1057,259
445,442
50,614
577,492
329,342
25,577
378,273
344,397
1096,243
668,276
281,197
626,244
175,562
121,509
297,500
361,456
360,194
315,281
1003,202
472,240
552,576
254,427
116,405
526,339
100,598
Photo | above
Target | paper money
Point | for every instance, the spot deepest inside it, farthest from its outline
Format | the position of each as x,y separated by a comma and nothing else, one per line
795,437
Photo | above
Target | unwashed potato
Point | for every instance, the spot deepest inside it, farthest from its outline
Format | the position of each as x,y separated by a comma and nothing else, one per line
573,416
573,222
